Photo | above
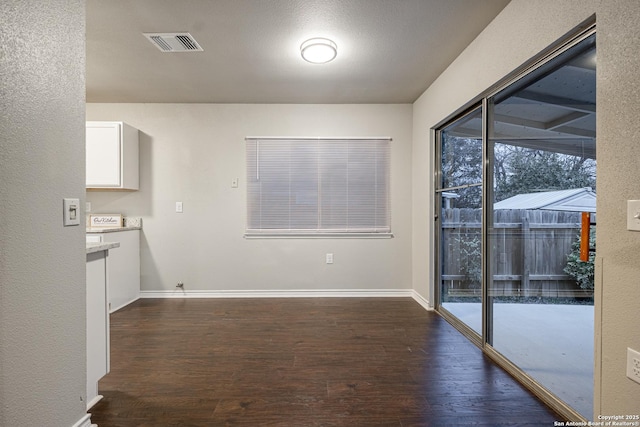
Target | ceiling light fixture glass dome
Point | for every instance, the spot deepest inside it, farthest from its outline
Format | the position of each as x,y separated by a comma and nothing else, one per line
318,50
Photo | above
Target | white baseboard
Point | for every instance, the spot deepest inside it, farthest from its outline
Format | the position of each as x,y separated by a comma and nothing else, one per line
123,305
93,401
321,293
84,421
422,301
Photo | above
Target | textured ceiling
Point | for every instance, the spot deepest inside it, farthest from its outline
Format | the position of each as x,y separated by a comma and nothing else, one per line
389,51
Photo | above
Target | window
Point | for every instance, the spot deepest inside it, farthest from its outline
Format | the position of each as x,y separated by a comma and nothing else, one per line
300,186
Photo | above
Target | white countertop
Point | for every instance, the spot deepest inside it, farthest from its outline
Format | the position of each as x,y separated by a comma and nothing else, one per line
101,246
110,229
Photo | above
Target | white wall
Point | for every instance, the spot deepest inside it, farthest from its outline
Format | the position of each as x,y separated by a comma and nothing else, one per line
192,152
523,29
42,264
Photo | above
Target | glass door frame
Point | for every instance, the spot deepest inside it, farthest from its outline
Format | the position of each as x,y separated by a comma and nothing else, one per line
465,329
484,341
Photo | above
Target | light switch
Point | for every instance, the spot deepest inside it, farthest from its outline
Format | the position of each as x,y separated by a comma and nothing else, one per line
633,215
71,213
179,207
234,183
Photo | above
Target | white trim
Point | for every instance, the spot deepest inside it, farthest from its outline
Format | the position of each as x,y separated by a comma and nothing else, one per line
311,293
85,421
307,293
93,401
112,310
316,138
315,235
421,300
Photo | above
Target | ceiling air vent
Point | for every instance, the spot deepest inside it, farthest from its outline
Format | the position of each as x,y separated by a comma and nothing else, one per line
174,42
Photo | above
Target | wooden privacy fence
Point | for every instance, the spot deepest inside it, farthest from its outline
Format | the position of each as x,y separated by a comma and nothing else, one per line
527,250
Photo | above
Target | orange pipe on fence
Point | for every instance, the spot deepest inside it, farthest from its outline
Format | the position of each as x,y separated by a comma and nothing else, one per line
584,236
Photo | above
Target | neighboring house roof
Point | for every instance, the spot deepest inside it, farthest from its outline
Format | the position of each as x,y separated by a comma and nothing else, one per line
575,200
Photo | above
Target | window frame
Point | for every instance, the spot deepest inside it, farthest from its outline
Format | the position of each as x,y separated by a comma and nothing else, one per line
319,231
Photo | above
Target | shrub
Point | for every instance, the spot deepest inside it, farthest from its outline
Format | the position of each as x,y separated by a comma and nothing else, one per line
470,258
582,271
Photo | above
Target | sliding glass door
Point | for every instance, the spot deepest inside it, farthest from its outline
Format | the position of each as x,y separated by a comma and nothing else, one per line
525,294
542,143
459,196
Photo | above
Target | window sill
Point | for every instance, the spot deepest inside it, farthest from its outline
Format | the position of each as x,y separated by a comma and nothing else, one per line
318,236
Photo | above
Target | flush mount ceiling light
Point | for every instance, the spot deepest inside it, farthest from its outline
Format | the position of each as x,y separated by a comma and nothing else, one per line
318,50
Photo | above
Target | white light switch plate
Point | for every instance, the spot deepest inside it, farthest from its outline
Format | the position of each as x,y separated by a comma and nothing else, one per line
70,212
633,215
179,207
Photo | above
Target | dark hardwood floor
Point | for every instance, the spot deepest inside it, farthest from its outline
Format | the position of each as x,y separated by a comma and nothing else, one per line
302,362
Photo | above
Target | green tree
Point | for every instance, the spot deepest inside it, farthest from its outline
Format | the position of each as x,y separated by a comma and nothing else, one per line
462,165
517,170
521,170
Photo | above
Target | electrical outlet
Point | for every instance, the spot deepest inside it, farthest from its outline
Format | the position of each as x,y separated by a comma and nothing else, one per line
633,215
329,258
633,365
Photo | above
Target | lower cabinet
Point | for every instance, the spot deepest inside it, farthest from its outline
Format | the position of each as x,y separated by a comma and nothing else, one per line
124,267
97,324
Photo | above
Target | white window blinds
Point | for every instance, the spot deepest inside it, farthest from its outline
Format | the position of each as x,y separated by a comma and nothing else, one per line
318,186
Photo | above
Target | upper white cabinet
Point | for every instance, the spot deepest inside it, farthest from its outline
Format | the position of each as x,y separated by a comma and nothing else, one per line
112,156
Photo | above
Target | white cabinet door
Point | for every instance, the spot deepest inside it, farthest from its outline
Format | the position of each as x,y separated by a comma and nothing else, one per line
112,155
97,324
124,267
103,155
